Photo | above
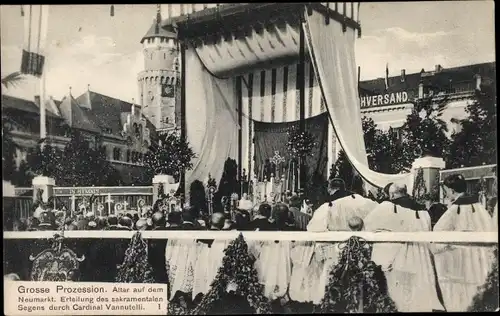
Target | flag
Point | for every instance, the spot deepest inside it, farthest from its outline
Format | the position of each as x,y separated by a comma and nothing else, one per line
35,36
387,76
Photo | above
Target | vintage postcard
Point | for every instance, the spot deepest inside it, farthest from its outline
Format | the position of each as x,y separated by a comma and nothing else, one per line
249,158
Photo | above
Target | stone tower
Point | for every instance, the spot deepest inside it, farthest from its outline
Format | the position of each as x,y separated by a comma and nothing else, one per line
159,82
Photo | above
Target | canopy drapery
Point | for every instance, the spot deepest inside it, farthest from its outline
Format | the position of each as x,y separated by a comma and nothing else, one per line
211,101
332,54
257,50
211,120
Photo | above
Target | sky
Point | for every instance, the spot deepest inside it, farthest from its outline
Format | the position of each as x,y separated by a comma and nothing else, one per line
89,47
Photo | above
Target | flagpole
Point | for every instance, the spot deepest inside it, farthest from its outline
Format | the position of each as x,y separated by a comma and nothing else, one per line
43,116
43,78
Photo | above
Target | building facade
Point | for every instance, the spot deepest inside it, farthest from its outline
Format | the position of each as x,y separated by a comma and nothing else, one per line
127,129
388,101
102,120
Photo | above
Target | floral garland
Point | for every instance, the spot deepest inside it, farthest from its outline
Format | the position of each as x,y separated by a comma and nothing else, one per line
486,300
237,268
300,144
356,284
135,267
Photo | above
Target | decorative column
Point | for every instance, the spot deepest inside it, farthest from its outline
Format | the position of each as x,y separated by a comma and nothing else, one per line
430,167
46,184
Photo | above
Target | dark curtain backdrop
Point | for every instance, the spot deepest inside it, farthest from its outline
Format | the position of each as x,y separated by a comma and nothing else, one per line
272,137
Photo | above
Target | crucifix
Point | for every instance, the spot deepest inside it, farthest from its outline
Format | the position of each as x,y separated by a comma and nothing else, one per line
277,160
125,204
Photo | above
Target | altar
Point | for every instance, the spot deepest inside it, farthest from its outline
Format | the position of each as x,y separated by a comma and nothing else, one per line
252,65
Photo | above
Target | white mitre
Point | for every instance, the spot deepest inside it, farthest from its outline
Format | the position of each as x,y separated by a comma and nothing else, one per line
39,210
245,204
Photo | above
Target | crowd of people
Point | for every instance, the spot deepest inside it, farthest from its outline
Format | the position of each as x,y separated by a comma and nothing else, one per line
263,217
420,276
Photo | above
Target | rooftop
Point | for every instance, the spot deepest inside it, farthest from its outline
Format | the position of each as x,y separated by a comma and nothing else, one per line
438,77
91,111
14,103
167,31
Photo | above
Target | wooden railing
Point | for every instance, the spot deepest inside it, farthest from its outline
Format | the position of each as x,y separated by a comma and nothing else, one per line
432,237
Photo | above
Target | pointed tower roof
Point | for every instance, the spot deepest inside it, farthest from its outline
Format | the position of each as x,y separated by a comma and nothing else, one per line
76,116
156,29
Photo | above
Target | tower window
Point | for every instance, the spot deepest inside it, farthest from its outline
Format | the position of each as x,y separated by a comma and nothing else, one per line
164,55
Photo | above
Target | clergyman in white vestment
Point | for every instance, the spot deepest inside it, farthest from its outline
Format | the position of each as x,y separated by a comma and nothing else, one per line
334,216
462,268
407,266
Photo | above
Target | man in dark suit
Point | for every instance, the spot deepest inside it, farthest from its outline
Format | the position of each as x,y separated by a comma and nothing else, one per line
125,223
113,222
159,222
337,189
174,221
261,220
189,221
46,222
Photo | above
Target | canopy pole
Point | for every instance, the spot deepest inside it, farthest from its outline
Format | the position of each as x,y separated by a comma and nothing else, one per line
240,131
302,102
183,116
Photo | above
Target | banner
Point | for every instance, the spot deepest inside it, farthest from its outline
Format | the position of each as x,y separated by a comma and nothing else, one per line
272,138
35,36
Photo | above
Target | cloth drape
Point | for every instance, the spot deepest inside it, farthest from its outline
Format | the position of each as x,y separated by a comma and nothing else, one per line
332,53
275,45
211,120
272,137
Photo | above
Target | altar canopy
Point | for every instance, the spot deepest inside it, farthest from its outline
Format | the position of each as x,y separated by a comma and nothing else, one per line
214,66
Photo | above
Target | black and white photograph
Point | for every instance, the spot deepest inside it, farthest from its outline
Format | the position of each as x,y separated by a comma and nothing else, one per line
249,158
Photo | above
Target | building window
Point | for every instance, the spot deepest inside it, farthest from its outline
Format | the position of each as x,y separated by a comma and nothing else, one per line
117,154
397,133
128,155
164,55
